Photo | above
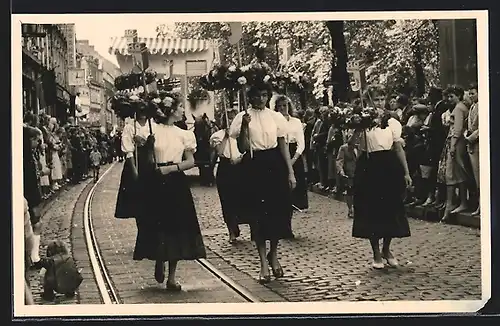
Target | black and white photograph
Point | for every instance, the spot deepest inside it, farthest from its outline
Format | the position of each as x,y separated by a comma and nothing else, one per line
190,164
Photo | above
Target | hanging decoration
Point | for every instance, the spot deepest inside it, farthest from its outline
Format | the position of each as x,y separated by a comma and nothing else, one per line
197,95
132,96
284,82
231,77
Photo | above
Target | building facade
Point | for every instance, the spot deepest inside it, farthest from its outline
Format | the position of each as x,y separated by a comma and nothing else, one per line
183,59
45,69
95,96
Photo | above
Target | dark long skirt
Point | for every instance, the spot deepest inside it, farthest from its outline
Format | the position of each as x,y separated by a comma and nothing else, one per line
168,228
299,194
266,204
228,180
128,199
378,197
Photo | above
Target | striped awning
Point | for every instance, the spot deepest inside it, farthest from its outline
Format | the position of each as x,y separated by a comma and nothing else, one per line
119,45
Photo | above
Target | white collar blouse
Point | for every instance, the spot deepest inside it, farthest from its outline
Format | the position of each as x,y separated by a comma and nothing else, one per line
265,127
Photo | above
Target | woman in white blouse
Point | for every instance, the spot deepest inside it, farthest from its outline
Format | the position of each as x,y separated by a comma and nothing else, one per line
379,184
169,229
296,142
228,178
268,177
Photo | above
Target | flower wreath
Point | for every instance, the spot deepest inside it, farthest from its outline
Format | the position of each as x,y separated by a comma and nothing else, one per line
155,104
284,81
235,78
365,118
134,80
197,95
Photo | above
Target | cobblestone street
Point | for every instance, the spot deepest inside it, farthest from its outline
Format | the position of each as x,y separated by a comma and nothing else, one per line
323,263
439,262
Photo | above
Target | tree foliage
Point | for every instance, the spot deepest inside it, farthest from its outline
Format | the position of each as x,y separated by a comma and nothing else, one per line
388,47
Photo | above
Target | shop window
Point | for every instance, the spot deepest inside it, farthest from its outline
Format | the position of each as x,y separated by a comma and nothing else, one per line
196,67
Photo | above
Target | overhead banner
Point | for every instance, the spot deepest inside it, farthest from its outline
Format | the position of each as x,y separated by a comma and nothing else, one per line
285,50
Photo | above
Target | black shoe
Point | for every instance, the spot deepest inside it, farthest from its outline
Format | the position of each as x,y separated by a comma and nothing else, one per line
174,287
160,272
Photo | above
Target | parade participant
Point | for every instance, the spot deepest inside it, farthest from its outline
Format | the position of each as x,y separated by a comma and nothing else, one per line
228,177
134,135
472,138
296,142
379,184
168,228
268,177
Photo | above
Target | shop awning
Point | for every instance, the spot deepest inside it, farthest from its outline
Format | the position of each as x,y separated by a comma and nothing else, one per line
119,45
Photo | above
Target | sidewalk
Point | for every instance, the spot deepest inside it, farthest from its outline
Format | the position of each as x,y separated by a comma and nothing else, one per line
429,214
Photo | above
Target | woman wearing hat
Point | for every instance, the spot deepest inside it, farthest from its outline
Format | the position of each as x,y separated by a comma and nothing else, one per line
379,184
268,177
168,228
228,175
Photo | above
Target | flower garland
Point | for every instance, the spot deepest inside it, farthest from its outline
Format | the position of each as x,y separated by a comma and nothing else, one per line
284,81
134,80
127,104
197,95
235,78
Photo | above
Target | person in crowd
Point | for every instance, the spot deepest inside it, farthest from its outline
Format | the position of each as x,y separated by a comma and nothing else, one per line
63,150
403,103
379,184
76,156
45,157
436,137
28,244
310,120
415,152
296,142
319,139
95,161
169,229
269,177
118,146
55,146
456,172
228,177
335,139
472,138
31,186
346,165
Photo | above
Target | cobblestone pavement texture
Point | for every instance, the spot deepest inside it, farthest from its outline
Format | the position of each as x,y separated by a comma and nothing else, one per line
325,263
56,219
134,280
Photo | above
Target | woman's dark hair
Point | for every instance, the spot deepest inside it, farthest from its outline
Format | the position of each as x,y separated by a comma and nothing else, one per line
256,89
473,86
456,90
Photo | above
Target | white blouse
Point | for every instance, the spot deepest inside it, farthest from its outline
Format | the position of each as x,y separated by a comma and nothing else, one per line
265,128
171,142
378,139
128,142
295,134
230,149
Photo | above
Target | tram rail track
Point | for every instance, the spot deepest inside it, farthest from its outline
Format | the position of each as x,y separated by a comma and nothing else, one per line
107,290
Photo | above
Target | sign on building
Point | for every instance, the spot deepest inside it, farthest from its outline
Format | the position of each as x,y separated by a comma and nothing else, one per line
76,77
285,50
